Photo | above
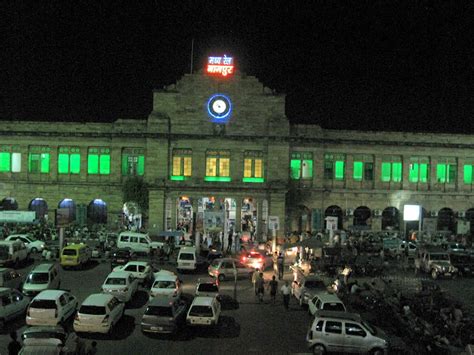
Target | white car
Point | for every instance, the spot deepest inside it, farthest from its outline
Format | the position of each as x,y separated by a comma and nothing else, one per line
46,340
12,304
325,301
32,244
51,307
99,313
166,283
120,284
141,270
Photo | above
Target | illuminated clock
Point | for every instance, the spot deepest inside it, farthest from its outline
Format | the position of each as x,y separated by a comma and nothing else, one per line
219,108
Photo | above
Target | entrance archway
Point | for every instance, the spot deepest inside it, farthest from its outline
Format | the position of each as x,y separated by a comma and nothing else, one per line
334,211
391,219
249,216
39,206
8,204
361,216
132,217
184,213
470,218
97,212
446,221
71,206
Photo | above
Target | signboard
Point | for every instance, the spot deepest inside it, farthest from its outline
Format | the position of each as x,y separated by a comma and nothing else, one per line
62,217
429,225
331,223
17,216
463,227
213,221
222,66
273,222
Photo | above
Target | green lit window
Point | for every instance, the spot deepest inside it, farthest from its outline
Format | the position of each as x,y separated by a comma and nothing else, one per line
253,166
182,164
39,160
133,162
418,170
468,174
446,173
98,161
301,166
358,170
391,171
69,160
218,165
334,166
414,172
10,161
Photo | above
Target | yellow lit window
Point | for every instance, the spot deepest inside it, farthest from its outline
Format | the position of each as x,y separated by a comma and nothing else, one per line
224,167
248,168
211,167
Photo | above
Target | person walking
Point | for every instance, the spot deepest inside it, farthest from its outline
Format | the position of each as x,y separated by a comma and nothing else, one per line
254,280
273,285
275,263
281,266
14,345
93,349
260,284
285,290
229,242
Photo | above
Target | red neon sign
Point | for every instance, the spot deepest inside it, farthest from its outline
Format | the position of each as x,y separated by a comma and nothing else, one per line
220,65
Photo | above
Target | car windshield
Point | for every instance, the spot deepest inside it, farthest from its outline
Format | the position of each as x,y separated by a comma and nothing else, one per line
186,256
69,252
164,284
457,246
371,329
333,307
314,284
44,334
43,304
38,278
439,257
200,311
122,254
98,310
159,311
116,281
208,287
158,238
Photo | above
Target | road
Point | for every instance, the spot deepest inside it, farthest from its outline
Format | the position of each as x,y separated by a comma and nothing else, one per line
251,328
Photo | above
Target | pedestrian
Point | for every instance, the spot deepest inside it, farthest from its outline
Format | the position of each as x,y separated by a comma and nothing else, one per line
285,290
273,285
281,266
260,285
14,346
275,263
229,242
92,349
254,280
80,346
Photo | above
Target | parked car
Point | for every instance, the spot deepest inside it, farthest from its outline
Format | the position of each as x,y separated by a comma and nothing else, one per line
138,242
208,288
32,244
256,259
99,313
204,311
455,247
306,288
164,315
10,278
75,255
12,305
42,277
140,270
412,249
464,262
51,307
120,284
166,284
13,252
436,262
325,301
121,257
344,332
46,340
223,269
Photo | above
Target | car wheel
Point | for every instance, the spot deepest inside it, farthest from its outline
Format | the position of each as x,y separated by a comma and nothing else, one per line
221,277
434,274
34,250
376,352
319,349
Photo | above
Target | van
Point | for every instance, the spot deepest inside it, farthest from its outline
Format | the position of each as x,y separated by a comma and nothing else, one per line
187,259
343,332
75,255
325,301
42,277
204,311
12,252
138,242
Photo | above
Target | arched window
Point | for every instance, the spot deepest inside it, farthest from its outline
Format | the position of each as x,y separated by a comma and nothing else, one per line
71,205
39,206
334,211
8,204
361,215
97,212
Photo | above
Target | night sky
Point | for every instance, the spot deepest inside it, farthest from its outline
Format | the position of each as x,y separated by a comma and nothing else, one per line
368,65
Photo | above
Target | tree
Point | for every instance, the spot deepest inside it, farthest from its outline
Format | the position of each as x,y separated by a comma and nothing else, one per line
136,189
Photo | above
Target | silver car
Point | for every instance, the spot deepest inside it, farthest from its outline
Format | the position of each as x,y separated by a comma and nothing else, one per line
225,269
164,315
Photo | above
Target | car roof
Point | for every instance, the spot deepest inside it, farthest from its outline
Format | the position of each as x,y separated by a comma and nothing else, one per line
143,263
203,301
97,299
338,315
45,328
49,294
161,301
3,289
165,276
186,249
42,267
124,274
76,246
328,297
134,234
20,235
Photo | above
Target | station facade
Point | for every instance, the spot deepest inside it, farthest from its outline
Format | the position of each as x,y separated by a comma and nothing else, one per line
218,153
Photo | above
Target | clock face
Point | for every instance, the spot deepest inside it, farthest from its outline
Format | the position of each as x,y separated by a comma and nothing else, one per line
219,108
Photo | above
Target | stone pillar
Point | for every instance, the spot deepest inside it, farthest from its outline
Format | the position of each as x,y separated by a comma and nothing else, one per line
377,172
156,210
348,178
406,172
238,214
433,178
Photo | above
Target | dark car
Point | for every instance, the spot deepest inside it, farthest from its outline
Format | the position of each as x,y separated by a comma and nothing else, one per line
121,257
164,315
464,262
